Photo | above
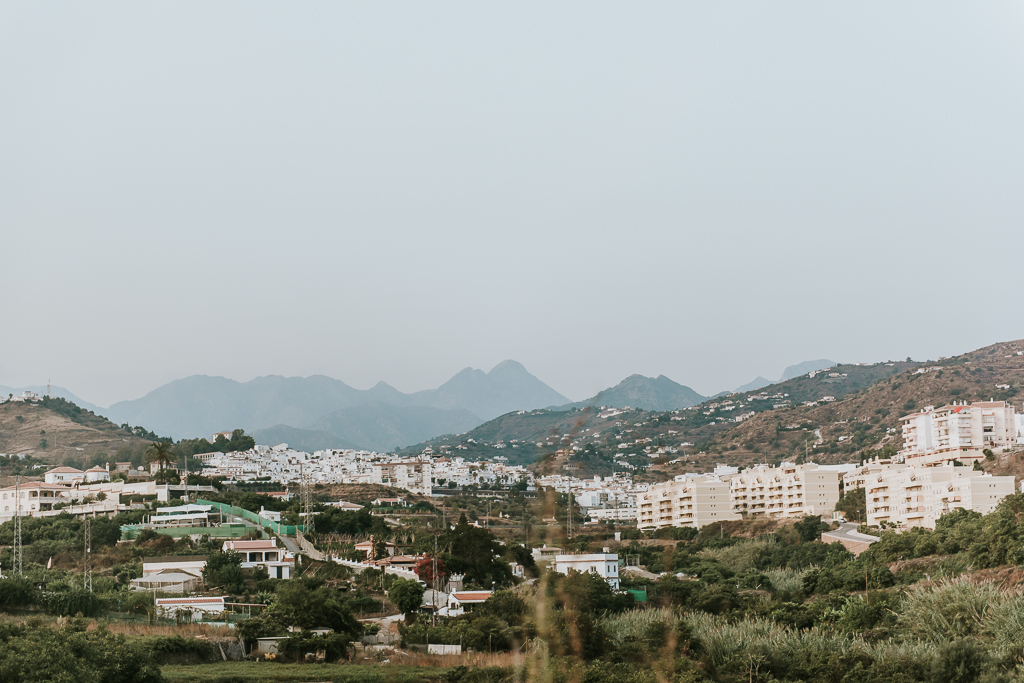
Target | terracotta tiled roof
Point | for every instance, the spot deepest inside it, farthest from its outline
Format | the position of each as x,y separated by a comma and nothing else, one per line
472,596
38,485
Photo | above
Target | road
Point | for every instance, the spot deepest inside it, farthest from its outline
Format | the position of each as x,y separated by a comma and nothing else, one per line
849,532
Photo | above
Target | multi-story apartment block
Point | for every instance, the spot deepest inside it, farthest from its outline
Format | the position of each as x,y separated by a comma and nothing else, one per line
695,501
786,491
411,475
869,471
917,496
960,431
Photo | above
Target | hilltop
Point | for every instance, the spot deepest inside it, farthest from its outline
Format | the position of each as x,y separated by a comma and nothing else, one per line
646,393
54,429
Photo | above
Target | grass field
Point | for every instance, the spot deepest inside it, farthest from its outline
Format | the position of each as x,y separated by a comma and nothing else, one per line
265,672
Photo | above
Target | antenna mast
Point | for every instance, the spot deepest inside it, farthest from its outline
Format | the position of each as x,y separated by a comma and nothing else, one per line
87,563
18,553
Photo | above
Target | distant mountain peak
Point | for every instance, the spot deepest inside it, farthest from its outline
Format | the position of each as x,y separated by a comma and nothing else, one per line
509,366
648,393
805,367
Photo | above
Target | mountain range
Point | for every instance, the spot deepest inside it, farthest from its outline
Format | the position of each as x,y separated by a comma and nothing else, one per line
318,412
329,412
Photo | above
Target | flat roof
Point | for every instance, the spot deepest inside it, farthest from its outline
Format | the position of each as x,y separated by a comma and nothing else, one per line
173,558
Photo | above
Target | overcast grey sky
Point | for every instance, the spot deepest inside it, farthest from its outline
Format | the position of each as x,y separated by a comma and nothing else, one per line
396,191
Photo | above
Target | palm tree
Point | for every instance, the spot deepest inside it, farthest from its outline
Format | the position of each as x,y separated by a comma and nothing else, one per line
160,452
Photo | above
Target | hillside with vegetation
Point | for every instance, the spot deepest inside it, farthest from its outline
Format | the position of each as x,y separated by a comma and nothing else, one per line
611,439
869,417
54,429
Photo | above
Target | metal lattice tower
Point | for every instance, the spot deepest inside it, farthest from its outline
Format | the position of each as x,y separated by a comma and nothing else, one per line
568,526
87,563
18,553
307,503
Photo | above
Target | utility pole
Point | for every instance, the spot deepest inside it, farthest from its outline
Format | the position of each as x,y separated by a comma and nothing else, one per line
307,503
18,554
433,618
87,563
568,526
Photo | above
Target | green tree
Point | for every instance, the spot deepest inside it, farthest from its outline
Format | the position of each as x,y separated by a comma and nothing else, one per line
407,596
225,569
160,453
295,604
476,553
810,528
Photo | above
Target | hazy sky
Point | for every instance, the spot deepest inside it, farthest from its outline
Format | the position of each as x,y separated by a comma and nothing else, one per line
396,191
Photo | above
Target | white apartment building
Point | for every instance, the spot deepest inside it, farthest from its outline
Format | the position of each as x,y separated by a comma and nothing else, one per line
869,471
959,431
411,475
1019,420
786,491
917,496
605,565
695,501
627,514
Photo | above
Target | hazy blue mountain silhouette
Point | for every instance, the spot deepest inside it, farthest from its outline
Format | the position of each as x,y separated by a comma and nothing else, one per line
200,405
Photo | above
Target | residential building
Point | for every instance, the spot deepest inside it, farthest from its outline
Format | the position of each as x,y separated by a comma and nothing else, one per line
189,564
199,608
460,601
366,547
613,514
545,554
96,474
869,470
961,432
788,490
35,497
63,475
167,581
411,475
605,565
917,496
279,562
695,501
185,515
